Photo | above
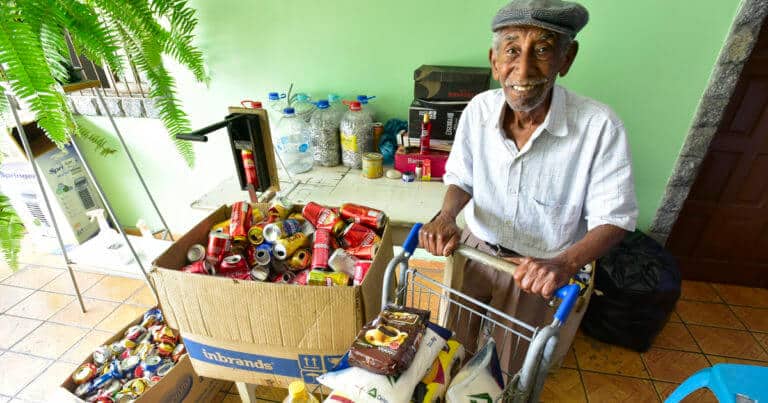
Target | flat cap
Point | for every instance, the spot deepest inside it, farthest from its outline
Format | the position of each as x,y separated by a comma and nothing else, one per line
560,16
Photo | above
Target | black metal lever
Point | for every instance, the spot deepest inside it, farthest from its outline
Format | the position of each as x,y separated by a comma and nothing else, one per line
200,135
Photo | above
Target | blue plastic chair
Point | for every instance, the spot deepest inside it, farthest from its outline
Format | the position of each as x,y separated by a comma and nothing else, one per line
727,381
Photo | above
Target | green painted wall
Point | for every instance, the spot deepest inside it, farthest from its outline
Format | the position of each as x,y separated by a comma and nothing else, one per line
650,60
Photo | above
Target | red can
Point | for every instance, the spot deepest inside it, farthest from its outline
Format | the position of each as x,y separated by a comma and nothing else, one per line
218,245
323,217
249,165
284,278
241,220
321,249
232,264
199,267
301,277
239,275
367,216
357,234
366,252
361,269
250,256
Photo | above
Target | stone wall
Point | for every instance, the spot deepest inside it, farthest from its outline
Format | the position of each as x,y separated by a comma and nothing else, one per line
744,33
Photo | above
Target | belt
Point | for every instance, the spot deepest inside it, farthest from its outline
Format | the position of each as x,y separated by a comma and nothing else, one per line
499,250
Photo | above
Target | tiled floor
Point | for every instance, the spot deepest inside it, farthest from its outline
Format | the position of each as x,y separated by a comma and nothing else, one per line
43,335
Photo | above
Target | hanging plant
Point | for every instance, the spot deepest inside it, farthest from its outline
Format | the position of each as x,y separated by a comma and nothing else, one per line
34,58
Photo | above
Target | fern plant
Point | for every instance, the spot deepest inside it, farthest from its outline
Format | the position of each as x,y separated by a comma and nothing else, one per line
34,55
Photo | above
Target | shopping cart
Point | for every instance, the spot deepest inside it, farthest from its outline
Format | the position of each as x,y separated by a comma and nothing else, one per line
415,289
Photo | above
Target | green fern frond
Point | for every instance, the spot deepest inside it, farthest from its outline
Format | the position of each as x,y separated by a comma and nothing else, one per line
11,232
92,37
99,142
21,52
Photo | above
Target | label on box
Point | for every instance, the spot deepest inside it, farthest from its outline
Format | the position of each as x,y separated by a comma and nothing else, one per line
306,367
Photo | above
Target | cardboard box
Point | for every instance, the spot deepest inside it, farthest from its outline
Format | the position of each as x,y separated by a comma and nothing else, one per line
68,187
181,384
263,333
449,83
407,158
444,116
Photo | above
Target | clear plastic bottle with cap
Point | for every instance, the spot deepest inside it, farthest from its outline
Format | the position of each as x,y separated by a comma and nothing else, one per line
293,142
356,133
303,105
324,132
275,104
298,393
335,101
367,109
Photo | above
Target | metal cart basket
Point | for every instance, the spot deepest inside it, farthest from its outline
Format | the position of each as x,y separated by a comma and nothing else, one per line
415,289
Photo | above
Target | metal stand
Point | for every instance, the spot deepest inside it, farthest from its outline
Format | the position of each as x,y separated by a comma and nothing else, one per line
28,151
99,190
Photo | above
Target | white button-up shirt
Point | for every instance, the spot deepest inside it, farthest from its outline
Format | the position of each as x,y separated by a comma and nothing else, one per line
573,175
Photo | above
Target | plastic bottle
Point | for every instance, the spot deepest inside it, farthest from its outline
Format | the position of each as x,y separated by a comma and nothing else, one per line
324,132
303,106
367,109
356,136
297,393
334,100
293,142
275,106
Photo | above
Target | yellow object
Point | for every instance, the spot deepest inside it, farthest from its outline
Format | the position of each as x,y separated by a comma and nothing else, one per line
438,378
348,142
221,227
372,165
297,393
426,118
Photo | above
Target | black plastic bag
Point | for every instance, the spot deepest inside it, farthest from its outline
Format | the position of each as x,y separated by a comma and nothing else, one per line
639,283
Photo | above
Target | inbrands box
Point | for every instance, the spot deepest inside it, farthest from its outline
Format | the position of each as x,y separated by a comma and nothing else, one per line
181,384
263,333
449,83
444,116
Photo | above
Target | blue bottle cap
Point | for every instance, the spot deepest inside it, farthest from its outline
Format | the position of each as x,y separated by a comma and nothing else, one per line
288,111
362,99
323,104
334,97
273,96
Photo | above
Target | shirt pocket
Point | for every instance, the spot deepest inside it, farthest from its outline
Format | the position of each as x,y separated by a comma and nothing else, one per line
548,224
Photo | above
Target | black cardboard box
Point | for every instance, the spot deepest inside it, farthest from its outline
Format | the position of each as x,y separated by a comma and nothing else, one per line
449,83
443,114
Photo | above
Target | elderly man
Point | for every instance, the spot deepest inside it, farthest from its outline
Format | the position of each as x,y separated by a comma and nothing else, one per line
543,174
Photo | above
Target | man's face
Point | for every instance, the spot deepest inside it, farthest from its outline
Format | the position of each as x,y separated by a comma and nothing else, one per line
526,62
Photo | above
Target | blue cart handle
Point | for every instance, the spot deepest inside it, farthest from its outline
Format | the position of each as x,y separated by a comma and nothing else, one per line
569,294
413,239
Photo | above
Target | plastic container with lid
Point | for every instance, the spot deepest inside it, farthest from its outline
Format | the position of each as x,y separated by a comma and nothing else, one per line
293,142
276,102
303,106
324,133
298,393
356,136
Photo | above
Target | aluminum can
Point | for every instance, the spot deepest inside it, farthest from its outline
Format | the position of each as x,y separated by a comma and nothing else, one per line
125,354
366,252
134,332
195,252
137,386
233,263
241,220
256,235
367,216
358,235
361,269
301,277
323,217
129,364
178,351
328,279
84,373
343,262
280,208
164,334
144,350
152,317
300,260
284,278
85,389
288,246
263,254
218,245
199,267
257,216
298,217
249,166
165,367
321,249
165,349
117,348
259,273
111,387
222,227
128,344
239,246
102,355
152,363
281,229
372,165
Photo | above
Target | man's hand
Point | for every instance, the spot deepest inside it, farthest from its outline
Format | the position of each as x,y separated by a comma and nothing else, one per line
541,276
441,236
